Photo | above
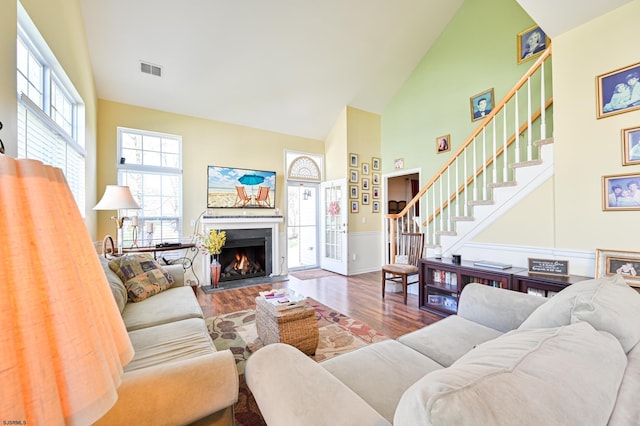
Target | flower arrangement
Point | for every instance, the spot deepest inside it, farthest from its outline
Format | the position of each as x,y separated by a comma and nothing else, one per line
214,242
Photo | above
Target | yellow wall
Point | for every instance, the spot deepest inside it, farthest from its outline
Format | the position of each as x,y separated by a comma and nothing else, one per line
363,138
336,155
8,109
204,143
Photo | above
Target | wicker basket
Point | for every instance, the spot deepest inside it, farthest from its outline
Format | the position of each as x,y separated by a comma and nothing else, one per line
296,326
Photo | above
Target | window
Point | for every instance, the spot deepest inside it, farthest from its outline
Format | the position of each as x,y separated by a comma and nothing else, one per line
151,166
50,110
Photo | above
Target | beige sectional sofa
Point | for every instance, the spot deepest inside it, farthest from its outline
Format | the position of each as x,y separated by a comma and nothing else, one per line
506,358
176,376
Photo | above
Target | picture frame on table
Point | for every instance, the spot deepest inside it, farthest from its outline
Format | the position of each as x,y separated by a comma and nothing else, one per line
625,263
365,168
355,207
353,160
375,207
443,144
376,164
631,146
481,104
353,191
353,176
621,192
531,43
618,91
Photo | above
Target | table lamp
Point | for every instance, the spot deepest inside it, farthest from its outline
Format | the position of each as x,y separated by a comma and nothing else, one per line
63,344
115,198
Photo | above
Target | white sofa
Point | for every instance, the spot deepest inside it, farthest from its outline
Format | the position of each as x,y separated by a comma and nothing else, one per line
176,376
506,358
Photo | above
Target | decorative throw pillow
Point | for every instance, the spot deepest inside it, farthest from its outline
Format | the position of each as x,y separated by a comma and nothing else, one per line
142,275
607,303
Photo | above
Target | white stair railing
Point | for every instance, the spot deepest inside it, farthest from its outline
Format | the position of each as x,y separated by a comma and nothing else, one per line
443,205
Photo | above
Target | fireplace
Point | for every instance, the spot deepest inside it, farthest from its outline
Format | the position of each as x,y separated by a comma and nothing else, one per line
255,237
246,254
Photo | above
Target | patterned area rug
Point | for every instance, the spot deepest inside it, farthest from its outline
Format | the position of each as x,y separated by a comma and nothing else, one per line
237,331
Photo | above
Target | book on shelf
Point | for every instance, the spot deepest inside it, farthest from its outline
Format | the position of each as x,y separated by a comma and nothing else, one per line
491,264
283,298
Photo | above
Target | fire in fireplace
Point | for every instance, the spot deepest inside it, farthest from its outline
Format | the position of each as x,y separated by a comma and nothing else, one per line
246,254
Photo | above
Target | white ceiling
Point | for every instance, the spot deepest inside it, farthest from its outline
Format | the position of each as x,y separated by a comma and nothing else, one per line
288,66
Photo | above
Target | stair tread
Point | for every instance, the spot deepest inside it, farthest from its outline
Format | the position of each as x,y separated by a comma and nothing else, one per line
525,164
480,202
451,233
546,141
502,184
463,218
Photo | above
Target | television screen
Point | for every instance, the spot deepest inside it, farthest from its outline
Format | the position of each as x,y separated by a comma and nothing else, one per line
240,188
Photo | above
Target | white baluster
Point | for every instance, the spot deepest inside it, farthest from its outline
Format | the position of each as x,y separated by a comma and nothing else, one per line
505,156
441,205
543,121
529,135
449,209
457,211
475,177
466,184
495,154
517,130
484,163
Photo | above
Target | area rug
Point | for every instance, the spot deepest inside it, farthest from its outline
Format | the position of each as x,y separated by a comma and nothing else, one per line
312,274
236,331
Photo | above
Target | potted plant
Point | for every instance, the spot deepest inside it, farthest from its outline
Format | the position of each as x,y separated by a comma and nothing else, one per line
212,244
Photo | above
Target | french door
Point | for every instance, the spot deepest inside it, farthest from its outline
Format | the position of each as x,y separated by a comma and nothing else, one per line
302,225
333,228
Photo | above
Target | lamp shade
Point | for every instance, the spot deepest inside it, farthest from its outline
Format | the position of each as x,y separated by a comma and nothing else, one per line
63,343
116,197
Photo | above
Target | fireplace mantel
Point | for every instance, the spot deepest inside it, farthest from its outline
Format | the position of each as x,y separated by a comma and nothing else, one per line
245,222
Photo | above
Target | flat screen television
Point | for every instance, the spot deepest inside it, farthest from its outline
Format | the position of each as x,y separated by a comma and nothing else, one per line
230,187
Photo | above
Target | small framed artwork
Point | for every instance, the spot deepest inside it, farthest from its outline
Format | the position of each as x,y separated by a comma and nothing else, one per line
618,91
375,207
531,43
398,163
376,178
376,192
355,207
365,184
353,176
631,146
621,192
353,160
443,144
353,191
481,104
375,163
365,168
625,263
365,198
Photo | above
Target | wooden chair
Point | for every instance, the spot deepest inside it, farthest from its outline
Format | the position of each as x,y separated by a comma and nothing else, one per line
263,196
410,245
242,199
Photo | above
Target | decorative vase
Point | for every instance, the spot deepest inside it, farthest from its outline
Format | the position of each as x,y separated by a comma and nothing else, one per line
215,272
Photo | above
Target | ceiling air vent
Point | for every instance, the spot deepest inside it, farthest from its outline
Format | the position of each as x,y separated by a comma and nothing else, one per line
150,69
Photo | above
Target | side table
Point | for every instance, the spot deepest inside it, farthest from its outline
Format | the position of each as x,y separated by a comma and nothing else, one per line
295,326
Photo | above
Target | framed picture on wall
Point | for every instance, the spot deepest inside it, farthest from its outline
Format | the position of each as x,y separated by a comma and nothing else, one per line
353,191
625,263
376,178
443,144
621,192
481,104
353,176
376,192
531,43
375,163
353,160
365,184
631,146
365,198
354,207
375,207
365,168
618,91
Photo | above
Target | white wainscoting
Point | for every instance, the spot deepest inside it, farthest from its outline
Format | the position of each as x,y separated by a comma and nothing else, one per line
367,249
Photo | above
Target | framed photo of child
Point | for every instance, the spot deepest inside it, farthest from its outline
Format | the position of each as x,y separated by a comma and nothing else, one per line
531,43
481,104
625,263
618,91
631,146
443,144
621,192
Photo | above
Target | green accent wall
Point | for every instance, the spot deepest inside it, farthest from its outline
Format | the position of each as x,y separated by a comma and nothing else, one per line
475,52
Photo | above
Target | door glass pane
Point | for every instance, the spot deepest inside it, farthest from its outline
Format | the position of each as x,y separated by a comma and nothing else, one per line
333,241
302,229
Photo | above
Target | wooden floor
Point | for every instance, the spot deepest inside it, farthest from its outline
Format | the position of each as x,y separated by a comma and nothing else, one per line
357,296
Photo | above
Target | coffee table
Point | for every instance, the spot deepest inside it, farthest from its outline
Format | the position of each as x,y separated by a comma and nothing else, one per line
295,326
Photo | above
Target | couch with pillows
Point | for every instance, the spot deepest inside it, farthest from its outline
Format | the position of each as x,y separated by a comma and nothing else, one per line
506,358
176,376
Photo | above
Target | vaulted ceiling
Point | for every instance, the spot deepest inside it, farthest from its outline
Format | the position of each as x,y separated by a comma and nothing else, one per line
279,65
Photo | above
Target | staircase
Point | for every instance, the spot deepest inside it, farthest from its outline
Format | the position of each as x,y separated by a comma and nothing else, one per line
503,160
